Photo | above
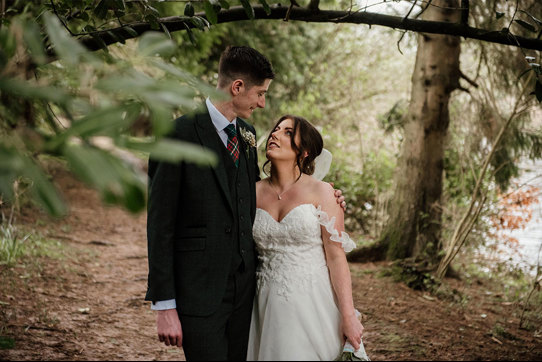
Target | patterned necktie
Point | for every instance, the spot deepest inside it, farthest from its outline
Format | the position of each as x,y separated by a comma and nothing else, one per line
233,144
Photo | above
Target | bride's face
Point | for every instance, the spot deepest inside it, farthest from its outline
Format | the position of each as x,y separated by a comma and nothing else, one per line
279,145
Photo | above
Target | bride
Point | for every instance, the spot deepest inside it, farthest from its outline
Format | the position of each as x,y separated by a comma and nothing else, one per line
303,309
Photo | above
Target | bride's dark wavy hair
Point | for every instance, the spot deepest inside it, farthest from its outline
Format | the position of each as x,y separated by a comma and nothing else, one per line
310,141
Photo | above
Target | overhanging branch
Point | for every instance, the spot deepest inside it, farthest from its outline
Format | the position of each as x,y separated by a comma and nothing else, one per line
237,13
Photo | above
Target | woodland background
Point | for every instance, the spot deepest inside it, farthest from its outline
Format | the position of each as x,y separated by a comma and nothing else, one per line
432,132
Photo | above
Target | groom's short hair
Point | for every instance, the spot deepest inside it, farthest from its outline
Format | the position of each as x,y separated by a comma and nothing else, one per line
242,62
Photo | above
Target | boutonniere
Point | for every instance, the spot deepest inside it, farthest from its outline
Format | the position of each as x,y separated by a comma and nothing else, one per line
249,138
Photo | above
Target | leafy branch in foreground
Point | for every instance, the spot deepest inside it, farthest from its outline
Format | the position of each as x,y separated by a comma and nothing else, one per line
67,108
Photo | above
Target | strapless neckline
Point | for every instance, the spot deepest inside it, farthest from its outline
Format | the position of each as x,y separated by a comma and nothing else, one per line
287,214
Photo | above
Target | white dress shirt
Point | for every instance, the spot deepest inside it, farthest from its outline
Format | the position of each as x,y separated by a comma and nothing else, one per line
220,122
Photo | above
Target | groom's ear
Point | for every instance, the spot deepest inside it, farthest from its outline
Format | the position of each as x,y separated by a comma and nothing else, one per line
237,86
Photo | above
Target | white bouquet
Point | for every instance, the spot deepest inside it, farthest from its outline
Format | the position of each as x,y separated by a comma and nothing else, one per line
350,354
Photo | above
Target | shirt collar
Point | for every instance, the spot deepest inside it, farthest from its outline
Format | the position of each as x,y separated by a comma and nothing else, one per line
220,122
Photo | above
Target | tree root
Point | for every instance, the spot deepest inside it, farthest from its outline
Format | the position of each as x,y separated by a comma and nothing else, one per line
373,252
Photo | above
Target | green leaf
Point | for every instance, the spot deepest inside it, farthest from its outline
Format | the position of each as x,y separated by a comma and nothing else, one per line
101,9
65,46
190,79
15,165
131,31
266,7
100,41
43,191
116,180
154,11
120,5
499,14
34,41
153,20
8,44
30,90
248,8
103,122
190,34
210,12
165,29
132,82
161,119
526,25
116,36
538,91
169,150
169,94
152,43
198,22
224,4
189,9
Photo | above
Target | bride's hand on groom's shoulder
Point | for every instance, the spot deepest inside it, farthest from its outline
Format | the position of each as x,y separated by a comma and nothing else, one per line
169,328
339,196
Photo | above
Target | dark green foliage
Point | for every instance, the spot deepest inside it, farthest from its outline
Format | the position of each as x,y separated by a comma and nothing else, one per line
395,117
7,342
61,109
415,275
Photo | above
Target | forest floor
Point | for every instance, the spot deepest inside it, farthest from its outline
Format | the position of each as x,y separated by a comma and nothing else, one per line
84,300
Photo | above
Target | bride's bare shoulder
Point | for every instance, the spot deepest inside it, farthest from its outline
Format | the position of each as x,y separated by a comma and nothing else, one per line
320,188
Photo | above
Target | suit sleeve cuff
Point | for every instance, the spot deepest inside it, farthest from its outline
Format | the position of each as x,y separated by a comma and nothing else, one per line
164,304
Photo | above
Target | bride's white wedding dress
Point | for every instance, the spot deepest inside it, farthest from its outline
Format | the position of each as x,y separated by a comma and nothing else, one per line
295,315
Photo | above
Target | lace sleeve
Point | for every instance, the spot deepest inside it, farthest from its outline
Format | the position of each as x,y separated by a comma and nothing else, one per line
324,220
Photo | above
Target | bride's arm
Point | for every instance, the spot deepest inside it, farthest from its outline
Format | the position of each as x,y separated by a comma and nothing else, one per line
338,267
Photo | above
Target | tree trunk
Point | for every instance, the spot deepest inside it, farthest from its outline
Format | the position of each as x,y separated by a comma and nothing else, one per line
414,227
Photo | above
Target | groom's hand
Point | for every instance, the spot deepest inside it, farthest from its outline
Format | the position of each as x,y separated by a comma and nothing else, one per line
169,327
340,198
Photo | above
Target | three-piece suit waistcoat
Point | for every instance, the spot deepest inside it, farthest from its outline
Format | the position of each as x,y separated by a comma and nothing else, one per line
239,184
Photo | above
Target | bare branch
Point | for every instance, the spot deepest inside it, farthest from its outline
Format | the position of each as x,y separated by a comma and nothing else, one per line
470,81
237,13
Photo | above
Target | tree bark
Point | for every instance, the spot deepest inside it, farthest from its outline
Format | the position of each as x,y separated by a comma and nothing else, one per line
414,227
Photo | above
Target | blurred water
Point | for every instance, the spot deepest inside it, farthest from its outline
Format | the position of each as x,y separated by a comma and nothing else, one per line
530,238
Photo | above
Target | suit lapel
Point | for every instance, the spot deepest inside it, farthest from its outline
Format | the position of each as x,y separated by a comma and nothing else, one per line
210,139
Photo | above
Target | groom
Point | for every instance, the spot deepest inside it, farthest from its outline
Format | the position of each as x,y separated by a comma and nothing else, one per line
202,261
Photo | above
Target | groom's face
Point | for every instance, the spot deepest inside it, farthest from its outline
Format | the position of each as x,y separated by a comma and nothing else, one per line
246,99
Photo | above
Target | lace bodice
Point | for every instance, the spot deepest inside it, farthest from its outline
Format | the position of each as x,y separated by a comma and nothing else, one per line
291,251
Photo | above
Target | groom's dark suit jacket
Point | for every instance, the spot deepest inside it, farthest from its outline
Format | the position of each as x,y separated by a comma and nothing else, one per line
199,224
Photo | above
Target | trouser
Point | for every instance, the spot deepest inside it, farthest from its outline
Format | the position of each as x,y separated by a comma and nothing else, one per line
224,334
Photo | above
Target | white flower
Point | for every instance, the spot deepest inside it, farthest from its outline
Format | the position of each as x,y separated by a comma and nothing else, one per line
248,136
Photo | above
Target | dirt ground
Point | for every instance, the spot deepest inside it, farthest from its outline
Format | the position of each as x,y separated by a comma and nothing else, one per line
89,303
